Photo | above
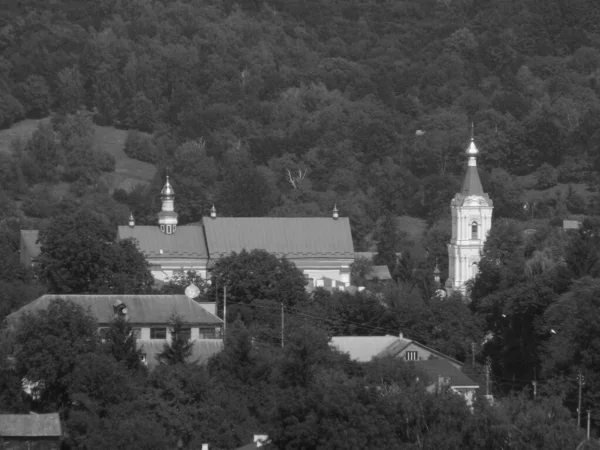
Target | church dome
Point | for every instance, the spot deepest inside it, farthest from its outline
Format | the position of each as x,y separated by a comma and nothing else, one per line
167,190
472,150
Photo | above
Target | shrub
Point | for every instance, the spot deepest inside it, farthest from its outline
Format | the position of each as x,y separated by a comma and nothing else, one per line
140,147
546,177
105,162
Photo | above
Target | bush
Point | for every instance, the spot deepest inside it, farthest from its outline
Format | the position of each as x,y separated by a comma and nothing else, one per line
105,162
546,177
140,147
574,171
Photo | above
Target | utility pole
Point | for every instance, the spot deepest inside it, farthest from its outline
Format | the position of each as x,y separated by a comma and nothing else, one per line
588,427
224,313
534,382
487,376
473,353
282,325
580,380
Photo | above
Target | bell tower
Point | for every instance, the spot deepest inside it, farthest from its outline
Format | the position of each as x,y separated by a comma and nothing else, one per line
167,218
471,221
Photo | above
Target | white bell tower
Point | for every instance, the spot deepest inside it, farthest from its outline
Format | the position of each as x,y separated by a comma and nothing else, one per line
471,221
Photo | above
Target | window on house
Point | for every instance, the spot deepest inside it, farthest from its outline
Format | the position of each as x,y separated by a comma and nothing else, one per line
168,229
474,230
185,333
158,333
209,332
412,356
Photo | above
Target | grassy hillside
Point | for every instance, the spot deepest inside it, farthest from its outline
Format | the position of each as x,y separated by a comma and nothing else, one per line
128,172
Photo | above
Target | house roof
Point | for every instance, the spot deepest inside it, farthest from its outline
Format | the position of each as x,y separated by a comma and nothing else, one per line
365,348
379,273
471,183
186,242
202,350
29,242
440,367
141,309
292,237
30,425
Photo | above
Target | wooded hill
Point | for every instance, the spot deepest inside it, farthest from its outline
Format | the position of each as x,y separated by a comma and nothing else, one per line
288,107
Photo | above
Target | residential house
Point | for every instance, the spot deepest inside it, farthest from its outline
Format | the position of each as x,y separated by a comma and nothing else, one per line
149,316
442,374
439,368
30,431
365,348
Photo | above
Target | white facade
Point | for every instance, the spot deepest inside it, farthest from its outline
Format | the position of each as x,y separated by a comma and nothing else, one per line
471,222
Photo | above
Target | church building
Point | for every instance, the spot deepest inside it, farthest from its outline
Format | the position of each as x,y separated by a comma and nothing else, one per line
471,222
319,246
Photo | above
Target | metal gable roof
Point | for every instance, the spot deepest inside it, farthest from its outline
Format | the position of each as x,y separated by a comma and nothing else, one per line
440,367
30,425
142,309
292,237
186,242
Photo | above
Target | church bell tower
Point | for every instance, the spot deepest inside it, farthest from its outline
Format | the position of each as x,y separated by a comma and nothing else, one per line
471,221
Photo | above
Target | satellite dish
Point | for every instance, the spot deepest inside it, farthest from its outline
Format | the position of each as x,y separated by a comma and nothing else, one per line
192,291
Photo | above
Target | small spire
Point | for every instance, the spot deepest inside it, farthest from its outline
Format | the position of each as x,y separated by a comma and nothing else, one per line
436,274
213,212
472,150
335,212
131,220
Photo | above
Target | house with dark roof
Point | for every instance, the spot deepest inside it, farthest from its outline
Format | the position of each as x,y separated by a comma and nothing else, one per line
149,317
441,370
30,431
442,374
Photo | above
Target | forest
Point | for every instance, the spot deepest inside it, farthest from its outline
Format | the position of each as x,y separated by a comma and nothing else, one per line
287,108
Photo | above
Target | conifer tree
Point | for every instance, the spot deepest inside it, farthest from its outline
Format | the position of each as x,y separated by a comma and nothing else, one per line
180,348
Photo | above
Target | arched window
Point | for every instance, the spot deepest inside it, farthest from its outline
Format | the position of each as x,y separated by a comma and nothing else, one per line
168,229
474,230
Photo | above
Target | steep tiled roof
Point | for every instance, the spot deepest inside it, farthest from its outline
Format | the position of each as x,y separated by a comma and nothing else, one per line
293,237
439,367
202,350
30,425
471,183
379,273
186,242
141,309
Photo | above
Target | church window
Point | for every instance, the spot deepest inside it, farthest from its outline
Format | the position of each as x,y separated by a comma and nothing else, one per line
474,230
